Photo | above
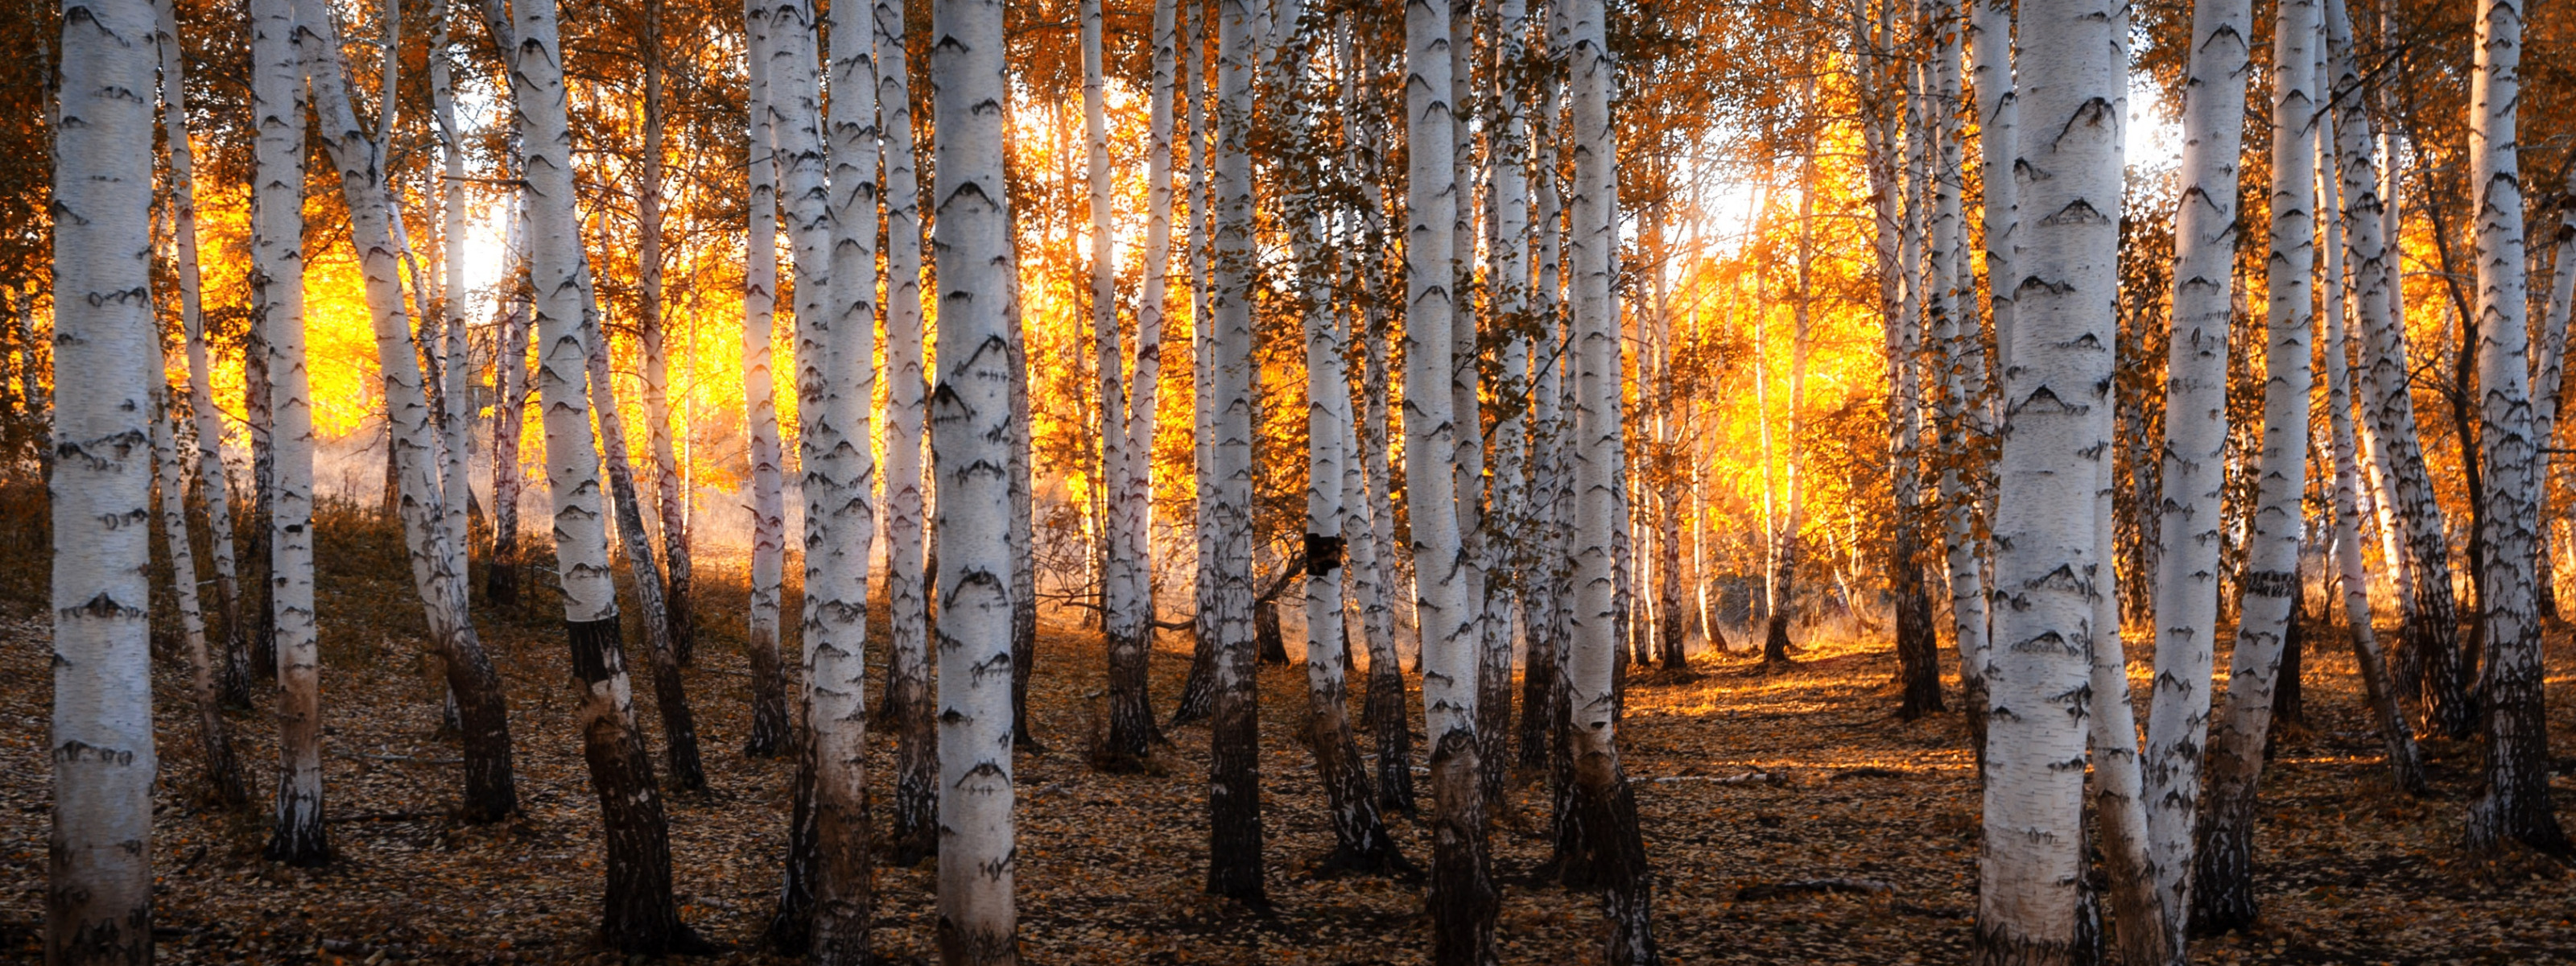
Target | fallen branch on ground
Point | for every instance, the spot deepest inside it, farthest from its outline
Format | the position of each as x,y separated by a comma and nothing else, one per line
1801,887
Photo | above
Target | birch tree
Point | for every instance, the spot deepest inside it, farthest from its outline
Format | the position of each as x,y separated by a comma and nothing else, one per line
98,897
796,125
2057,412
1915,641
1135,513
670,498
2430,635
908,697
1235,836
1601,787
232,672
2222,896
278,55
837,610
2516,804
436,554
1463,898
1122,591
770,733
510,385
1954,324
638,916
222,769
2403,760
670,696
1384,708
455,386
2192,466
970,434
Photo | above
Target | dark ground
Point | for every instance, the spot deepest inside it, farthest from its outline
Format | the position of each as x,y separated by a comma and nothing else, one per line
1110,866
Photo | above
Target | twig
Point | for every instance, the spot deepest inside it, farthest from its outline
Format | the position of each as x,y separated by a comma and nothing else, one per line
1782,890
1748,778
407,759
387,817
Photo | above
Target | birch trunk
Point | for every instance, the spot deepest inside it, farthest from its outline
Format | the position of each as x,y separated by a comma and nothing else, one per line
1197,695
2516,804
1024,576
98,906
278,55
1990,39
1463,898
435,551
771,735
221,767
509,407
1235,835
2430,635
1360,840
1131,716
1543,681
836,626
2193,471
1123,615
2222,897
2405,764
455,389
1609,806
1916,644
1962,346
2119,812
908,698
1389,722
670,499
638,915
670,696
232,671
2057,408
1511,300
970,437
796,130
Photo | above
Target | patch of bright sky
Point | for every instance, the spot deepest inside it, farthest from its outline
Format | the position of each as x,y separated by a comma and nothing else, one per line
1729,197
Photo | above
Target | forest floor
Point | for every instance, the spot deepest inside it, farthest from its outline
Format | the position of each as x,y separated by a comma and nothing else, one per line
2349,870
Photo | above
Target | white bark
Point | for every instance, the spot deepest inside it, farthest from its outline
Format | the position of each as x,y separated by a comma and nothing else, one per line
1954,322
98,905
456,390
2193,472
222,771
1235,833
2119,811
839,484
1121,592
1135,484
1447,618
278,53
2516,804
908,651
2222,873
1990,68
971,432
2057,407
209,420
2394,730
554,266
760,373
1610,817
436,552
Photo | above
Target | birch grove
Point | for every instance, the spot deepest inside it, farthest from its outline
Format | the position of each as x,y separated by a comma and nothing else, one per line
1591,396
